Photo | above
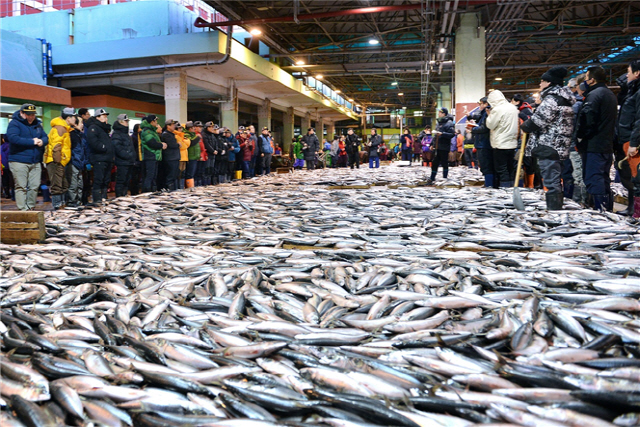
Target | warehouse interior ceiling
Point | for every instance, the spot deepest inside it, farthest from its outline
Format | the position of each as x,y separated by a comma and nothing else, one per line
414,41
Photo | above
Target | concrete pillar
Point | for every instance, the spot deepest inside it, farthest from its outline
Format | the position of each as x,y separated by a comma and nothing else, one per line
287,130
331,130
320,129
305,123
175,95
446,97
264,115
470,63
229,110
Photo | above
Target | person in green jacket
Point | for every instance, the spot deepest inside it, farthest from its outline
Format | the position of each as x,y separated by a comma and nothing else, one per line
150,150
193,153
297,153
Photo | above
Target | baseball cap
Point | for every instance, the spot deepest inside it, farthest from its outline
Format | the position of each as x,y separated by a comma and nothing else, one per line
150,118
189,124
28,108
197,123
68,112
123,117
100,112
240,127
265,128
169,122
208,124
216,127
444,110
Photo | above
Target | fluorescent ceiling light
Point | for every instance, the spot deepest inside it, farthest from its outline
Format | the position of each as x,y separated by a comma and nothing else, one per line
374,41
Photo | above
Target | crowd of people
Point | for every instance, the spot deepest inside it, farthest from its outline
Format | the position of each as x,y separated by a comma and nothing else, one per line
84,156
571,135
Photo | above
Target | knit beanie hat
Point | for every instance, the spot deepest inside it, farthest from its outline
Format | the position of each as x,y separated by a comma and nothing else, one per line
555,75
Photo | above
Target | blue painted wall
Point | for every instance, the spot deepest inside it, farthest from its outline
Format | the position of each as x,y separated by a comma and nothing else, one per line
109,22
21,58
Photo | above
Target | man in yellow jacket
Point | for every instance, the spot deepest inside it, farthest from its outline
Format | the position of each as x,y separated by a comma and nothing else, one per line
58,155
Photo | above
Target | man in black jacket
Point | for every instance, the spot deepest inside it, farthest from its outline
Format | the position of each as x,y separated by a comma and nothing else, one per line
353,149
125,154
101,153
210,142
595,133
482,143
170,156
310,146
629,136
445,130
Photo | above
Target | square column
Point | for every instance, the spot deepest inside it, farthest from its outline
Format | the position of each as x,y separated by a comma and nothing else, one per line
305,123
264,115
287,131
320,128
331,130
175,96
229,110
470,63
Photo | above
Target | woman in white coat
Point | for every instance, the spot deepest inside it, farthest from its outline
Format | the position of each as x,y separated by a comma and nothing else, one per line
503,123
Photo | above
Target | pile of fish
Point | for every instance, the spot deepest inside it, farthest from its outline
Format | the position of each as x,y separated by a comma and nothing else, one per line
279,302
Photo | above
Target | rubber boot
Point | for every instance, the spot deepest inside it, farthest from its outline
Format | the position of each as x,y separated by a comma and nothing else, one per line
554,201
222,179
46,194
629,211
189,183
55,201
600,202
104,195
96,197
506,184
568,191
636,207
181,184
528,180
610,201
445,173
488,181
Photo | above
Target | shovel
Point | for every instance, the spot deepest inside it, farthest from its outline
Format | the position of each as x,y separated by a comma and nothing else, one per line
517,199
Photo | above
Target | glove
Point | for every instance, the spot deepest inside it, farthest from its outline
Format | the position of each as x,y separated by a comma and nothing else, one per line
88,167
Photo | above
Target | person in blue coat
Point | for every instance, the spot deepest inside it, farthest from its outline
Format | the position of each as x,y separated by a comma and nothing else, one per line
79,162
233,149
27,141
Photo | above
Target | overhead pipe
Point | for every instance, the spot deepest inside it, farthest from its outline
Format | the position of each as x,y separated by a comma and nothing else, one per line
220,61
201,23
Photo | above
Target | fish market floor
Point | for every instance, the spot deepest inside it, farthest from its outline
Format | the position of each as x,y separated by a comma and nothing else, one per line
325,298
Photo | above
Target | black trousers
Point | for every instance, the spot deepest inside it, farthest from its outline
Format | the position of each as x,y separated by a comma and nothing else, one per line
354,160
503,162
123,176
171,170
485,158
441,158
101,179
150,174
136,178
